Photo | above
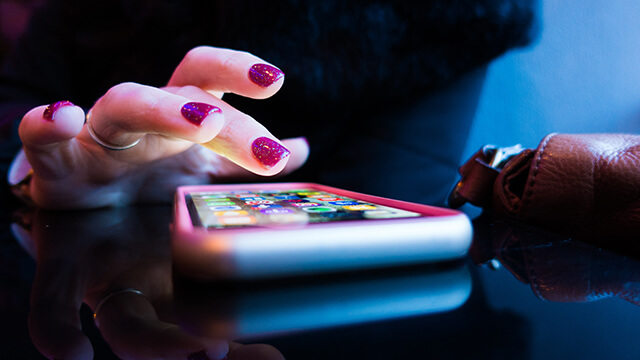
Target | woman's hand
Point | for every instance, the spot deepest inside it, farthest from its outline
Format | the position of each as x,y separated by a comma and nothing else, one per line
71,169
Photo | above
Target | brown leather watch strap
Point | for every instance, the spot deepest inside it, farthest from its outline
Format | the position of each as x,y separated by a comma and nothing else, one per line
478,175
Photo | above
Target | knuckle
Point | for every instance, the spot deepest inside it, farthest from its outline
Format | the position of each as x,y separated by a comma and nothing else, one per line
196,54
135,94
125,101
228,65
122,91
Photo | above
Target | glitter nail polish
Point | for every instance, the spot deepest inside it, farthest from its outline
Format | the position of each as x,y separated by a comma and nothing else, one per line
50,111
269,152
195,112
264,75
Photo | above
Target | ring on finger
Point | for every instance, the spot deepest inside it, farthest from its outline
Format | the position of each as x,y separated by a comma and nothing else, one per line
103,143
112,295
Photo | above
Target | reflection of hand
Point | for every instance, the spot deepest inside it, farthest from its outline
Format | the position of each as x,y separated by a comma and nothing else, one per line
83,257
71,170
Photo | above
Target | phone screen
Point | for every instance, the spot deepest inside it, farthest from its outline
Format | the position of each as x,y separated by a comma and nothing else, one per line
233,209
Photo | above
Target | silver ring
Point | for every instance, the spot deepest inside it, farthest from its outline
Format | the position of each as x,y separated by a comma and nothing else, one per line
103,143
110,296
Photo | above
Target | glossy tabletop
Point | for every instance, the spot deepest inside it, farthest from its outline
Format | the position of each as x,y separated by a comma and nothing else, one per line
521,293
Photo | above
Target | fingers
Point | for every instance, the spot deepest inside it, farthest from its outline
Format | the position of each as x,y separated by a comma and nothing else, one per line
47,133
130,111
244,141
218,70
247,143
131,326
299,153
45,127
299,148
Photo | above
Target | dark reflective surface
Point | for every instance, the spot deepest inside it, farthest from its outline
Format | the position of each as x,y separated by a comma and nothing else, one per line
522,293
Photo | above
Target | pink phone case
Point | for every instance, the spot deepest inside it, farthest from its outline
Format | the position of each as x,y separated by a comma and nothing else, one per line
289,250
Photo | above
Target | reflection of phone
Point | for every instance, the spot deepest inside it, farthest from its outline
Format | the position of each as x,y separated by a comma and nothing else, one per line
249,231
227,311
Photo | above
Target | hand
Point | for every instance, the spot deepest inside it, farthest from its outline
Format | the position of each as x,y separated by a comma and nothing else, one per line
84,257
72,170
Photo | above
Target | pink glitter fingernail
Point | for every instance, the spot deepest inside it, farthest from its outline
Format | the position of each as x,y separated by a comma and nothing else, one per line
264,75
196,112
269,152
50,111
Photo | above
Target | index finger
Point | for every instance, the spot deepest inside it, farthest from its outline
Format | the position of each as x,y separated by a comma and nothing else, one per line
218,70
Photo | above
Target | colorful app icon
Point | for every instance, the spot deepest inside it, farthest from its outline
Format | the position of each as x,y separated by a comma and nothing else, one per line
265,206
319,209
286,197
206,197
255,198
309,193
359,207
231,213
295,201
237,220
224,208
343,203
276,211
329,199
305,204
258,202
220,203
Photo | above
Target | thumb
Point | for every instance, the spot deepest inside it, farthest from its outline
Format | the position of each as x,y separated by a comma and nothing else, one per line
45,131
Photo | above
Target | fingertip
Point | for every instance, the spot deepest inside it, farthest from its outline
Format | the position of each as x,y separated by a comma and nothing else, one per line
207,119
214,125
70,120
52,123
266,77
299,148
270,154
218,70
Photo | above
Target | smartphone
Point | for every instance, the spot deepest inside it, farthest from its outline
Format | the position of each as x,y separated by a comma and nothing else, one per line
256,231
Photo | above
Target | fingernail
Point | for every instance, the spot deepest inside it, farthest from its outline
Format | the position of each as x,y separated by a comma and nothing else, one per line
195,112
264,75
50,111
200,355
269,152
